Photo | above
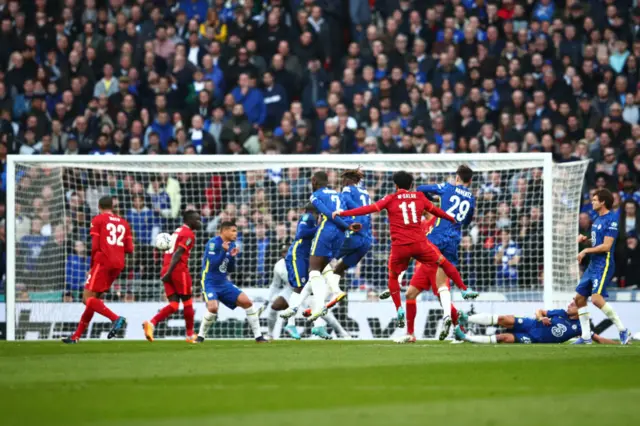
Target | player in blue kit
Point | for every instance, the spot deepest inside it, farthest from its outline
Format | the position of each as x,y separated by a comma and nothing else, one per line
458,201
297,261
325,246
219,259
356,244
596,278
553,326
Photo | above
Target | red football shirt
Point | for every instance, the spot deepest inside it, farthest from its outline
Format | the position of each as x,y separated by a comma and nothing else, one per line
181,237
110,239
427,224
404,209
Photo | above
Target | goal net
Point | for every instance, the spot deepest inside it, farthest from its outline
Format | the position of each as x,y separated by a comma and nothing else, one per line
520,247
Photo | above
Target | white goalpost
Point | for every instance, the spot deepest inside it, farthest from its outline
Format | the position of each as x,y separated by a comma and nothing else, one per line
518,252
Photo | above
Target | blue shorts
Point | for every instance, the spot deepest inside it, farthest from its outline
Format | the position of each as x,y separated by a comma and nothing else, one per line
224,292
595,281
297,271
353,250
327,242
524,330
447,246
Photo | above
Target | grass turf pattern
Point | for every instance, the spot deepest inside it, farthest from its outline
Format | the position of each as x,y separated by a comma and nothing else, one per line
314,382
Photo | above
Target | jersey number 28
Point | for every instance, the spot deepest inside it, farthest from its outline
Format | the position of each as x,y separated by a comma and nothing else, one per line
462,208
116,234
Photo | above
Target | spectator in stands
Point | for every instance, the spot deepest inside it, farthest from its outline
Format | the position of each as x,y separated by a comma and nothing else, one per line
507,257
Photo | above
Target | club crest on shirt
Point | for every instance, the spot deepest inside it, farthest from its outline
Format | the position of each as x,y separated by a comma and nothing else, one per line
188,242
558,330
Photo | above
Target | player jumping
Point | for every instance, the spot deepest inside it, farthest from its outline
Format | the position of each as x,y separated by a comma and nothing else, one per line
458,201
176,277
404,209
325,247
554,326
219,259
596,278
356,244
110,240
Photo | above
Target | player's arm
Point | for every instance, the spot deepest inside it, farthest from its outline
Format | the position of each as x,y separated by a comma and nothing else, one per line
431,189
540,313
231,254
96,225
175,259
322,208
306,229
371,208
436,211
605,247
128,240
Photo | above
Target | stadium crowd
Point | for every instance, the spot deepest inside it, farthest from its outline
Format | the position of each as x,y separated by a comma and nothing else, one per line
239,77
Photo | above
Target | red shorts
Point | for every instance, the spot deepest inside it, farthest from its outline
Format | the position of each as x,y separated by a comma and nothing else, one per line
180,283
101,278
422,252
424,278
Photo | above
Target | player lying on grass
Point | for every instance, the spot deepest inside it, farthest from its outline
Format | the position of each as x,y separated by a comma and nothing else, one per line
111,240
176,277
600,271
219,259
553,326
297,268
404,209
324,248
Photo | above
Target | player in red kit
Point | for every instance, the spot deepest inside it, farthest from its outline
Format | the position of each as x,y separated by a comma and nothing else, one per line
405,209
110,240
176,277
423,280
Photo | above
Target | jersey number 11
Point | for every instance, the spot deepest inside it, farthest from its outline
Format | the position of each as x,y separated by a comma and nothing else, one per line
405,212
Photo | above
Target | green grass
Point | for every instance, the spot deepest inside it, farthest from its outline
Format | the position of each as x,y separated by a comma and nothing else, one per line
308,383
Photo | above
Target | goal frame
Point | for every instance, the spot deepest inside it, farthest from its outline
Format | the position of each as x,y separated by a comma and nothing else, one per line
252,161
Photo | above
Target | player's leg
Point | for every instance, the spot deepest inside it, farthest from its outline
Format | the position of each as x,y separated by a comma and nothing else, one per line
100,281
298,272
318,285
348,259
85,319
398,262
583,291
598,298
333,322
171,291
164,313
499,338
319,324
333,277
189,315
411,311
210,316
253,313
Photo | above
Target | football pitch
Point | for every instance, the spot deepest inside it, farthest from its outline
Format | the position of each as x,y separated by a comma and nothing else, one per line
310,383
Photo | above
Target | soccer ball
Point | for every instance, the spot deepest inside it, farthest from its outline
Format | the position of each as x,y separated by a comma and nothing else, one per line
163,241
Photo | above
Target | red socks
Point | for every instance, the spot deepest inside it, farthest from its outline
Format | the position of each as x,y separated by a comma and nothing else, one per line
412,309
453,274
454,315
394,288
87,315
189,315
97,305
165,312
